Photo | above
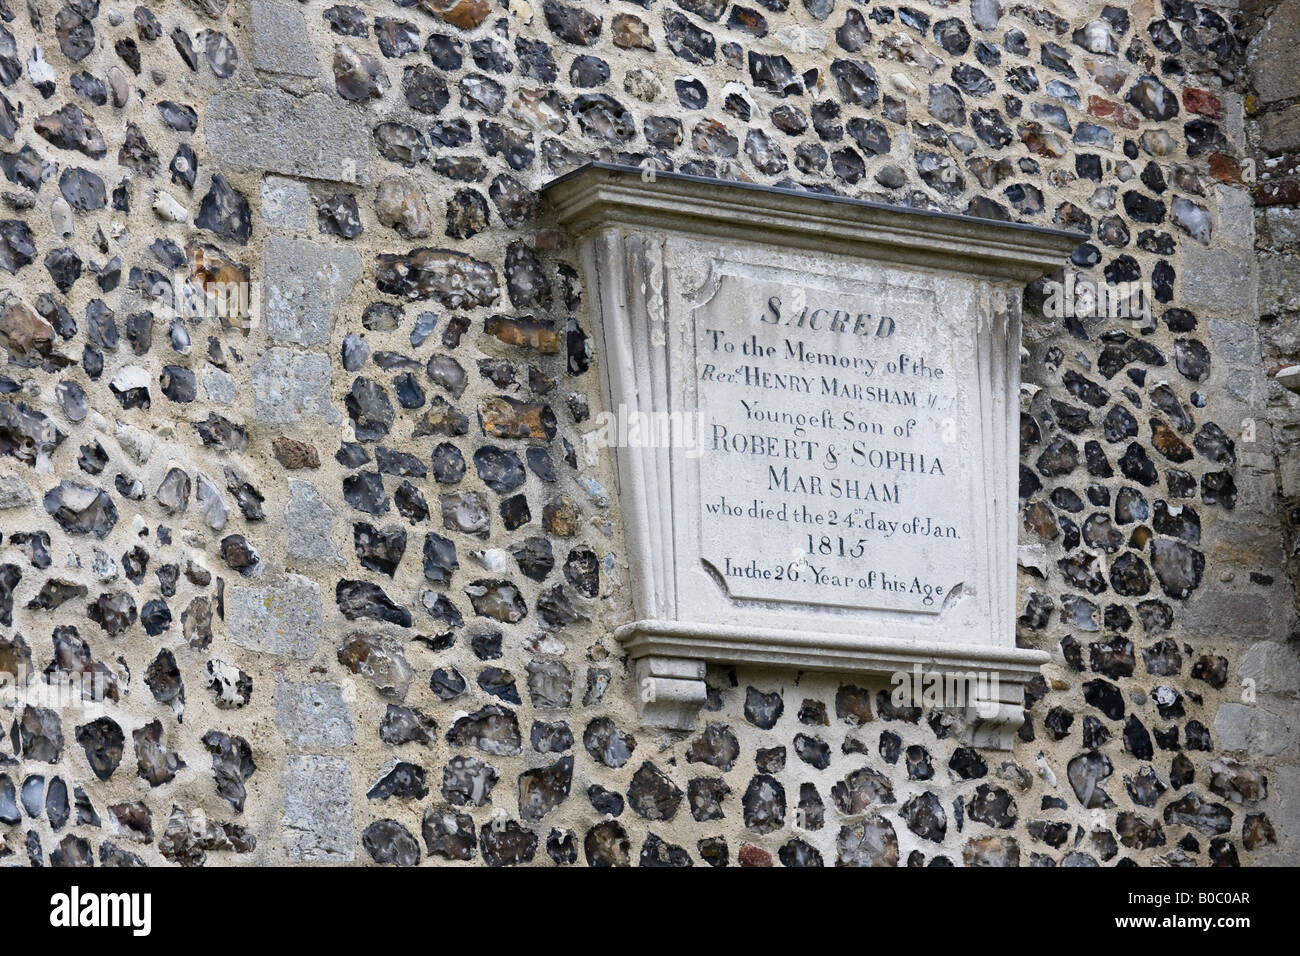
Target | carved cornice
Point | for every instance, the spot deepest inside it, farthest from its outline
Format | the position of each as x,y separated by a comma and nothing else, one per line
602,193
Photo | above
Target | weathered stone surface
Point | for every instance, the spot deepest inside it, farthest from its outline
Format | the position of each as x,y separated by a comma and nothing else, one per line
313,716
284,619
278,30
309,524
305,282
316,826
1271,48
285,204
289,386
1216,280
271,130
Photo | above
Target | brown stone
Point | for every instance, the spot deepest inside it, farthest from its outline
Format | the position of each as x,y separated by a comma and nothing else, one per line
1108,75
209,264
631,33
1285,193
24,333
544,110
400,205
1041,142
442,418
465,14
539,334
1039,520
294,454
1168,443
990,172
560,516
504,417
991,851
1225,168
1257,831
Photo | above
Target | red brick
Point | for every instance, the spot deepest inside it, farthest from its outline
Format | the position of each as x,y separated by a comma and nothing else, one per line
751,855
1107,109
1225,168
1202,101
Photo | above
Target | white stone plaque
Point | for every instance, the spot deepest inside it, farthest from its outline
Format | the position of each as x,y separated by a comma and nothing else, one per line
834,411
825,473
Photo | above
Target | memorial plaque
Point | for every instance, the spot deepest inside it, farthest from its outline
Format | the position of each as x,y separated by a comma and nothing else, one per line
824,469
836,412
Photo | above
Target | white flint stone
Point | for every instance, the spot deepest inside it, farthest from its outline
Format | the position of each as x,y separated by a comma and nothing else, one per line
212,503
61,217
136,443
901,84
129,377
167,208
801,39
104,567
493,559
39,69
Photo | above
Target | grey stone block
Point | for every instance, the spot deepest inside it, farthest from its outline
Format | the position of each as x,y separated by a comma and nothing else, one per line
1279,285
1286,786
1216,280
317,822
282,619
1283,224
305,282
313,715
1236,342
309,522
310,136
1228,615
1243,385
1232,726
289,385
1236,212
285,203
1274,667
1257,546
1253,730
280,43
1270,55
1279,131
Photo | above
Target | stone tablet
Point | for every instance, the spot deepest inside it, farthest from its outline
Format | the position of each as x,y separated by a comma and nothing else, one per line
838,421
813,404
